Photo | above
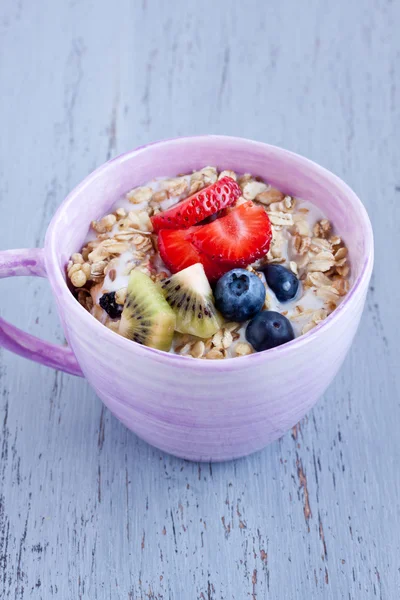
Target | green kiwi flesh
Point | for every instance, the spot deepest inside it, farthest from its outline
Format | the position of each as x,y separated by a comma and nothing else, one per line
190,296
147,318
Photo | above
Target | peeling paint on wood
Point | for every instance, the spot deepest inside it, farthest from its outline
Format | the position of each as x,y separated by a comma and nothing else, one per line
87,510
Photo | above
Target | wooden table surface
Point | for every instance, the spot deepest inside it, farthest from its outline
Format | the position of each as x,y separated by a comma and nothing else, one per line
87,510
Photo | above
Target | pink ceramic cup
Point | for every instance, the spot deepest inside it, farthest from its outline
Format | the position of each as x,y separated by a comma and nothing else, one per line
197,409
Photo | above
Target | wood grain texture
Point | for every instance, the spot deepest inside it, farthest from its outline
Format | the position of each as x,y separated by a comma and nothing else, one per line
87,510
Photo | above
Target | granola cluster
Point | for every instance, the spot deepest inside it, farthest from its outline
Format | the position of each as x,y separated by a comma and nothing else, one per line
224,343
123,240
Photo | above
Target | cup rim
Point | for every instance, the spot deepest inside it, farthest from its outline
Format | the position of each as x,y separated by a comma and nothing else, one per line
59,283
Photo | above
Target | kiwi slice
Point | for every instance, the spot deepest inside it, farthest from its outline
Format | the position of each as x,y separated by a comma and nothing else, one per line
190,296
147,318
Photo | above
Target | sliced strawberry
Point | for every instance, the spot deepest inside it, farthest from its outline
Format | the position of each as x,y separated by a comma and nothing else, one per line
238,239
199,206
177,252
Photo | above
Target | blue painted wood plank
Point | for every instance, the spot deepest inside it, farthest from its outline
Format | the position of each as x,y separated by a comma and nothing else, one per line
86,509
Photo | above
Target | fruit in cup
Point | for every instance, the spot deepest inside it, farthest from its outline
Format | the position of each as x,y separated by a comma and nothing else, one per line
199,206
221,230
239,295
190,296
238,239
268,330
147,317
107,303
178,252
281,281
235,240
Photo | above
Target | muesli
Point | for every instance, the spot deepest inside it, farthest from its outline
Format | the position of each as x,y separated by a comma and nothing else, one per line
211,264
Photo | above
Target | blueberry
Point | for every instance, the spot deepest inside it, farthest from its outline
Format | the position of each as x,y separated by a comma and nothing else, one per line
282,282
107,303
268,330
239,295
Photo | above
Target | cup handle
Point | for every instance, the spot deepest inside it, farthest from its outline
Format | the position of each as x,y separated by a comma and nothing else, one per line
15,263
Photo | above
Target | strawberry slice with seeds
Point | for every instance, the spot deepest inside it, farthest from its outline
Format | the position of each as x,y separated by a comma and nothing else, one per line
177,252
238,239
199,206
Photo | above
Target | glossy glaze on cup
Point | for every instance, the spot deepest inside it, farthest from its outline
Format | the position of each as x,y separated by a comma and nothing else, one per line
200,410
